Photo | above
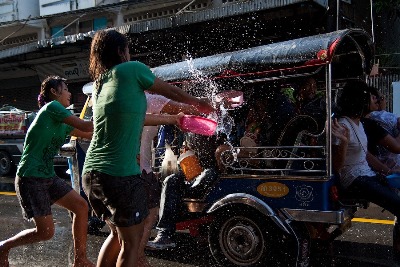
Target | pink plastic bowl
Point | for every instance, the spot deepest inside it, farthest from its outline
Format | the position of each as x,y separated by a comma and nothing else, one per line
198,125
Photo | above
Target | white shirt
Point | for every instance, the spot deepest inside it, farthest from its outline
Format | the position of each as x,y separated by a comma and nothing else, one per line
155,103
355,164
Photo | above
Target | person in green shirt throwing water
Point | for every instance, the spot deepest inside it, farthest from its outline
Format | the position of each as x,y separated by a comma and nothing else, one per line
36,183
111,174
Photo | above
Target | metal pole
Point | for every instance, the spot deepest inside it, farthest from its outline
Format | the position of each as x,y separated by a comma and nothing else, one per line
328,132
337,14
372,22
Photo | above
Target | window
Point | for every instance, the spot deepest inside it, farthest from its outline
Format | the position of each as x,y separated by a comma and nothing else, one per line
85,26
70,30
57,31
99,23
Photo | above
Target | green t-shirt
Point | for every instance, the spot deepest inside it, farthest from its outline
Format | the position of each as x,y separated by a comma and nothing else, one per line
45,136
118,116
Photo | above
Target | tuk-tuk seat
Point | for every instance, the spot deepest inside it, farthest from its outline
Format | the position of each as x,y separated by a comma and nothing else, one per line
296,128
295,133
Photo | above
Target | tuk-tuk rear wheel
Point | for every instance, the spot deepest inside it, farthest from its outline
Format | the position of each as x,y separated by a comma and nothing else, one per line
242,238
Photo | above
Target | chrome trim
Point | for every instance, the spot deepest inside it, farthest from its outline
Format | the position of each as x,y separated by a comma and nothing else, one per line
252,201
274,177
335,217
328,133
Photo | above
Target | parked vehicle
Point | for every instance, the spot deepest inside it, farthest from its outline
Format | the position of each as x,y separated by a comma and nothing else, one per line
13,125
277,201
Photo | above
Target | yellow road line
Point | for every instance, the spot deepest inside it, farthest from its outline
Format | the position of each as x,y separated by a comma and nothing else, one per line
365,220
8,193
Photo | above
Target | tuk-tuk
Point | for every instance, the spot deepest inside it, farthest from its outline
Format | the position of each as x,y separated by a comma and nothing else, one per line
271,201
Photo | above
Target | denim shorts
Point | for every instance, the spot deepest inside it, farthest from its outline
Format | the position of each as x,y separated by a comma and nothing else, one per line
153,188
120,199
36,195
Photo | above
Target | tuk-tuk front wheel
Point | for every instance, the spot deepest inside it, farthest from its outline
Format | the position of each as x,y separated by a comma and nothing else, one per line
242,239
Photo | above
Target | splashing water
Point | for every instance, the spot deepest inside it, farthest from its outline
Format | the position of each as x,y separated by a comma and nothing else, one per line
224,120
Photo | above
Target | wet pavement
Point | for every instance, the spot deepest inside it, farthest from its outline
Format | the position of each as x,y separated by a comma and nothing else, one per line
365,244
58,252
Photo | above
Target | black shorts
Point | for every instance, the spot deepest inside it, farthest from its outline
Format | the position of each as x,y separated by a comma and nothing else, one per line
121,199
153,188
36,195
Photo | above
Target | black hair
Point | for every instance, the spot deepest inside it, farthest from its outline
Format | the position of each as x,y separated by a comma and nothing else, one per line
354,99
48,83
104,51
374,91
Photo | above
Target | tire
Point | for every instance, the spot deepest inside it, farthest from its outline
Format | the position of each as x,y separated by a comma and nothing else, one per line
5,163
244,238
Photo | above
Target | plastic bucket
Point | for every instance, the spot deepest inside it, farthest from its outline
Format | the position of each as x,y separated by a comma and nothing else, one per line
190,165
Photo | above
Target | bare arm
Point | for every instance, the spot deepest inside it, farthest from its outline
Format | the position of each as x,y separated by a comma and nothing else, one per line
77,123
175,93
390,143
155,119
377,165
173,107
79,133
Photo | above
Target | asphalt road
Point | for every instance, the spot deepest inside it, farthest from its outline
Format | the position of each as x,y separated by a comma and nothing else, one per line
366,244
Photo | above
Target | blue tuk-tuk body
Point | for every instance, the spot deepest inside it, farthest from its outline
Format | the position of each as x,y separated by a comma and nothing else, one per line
254,212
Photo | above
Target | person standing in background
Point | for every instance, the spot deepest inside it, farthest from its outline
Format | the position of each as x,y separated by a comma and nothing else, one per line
156,104
111,174
36,183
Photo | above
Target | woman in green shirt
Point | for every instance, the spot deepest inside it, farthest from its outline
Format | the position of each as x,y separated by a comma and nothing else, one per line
36,183
112,176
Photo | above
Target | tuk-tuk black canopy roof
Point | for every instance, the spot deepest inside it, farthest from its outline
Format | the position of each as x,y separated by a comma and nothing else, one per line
302,53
